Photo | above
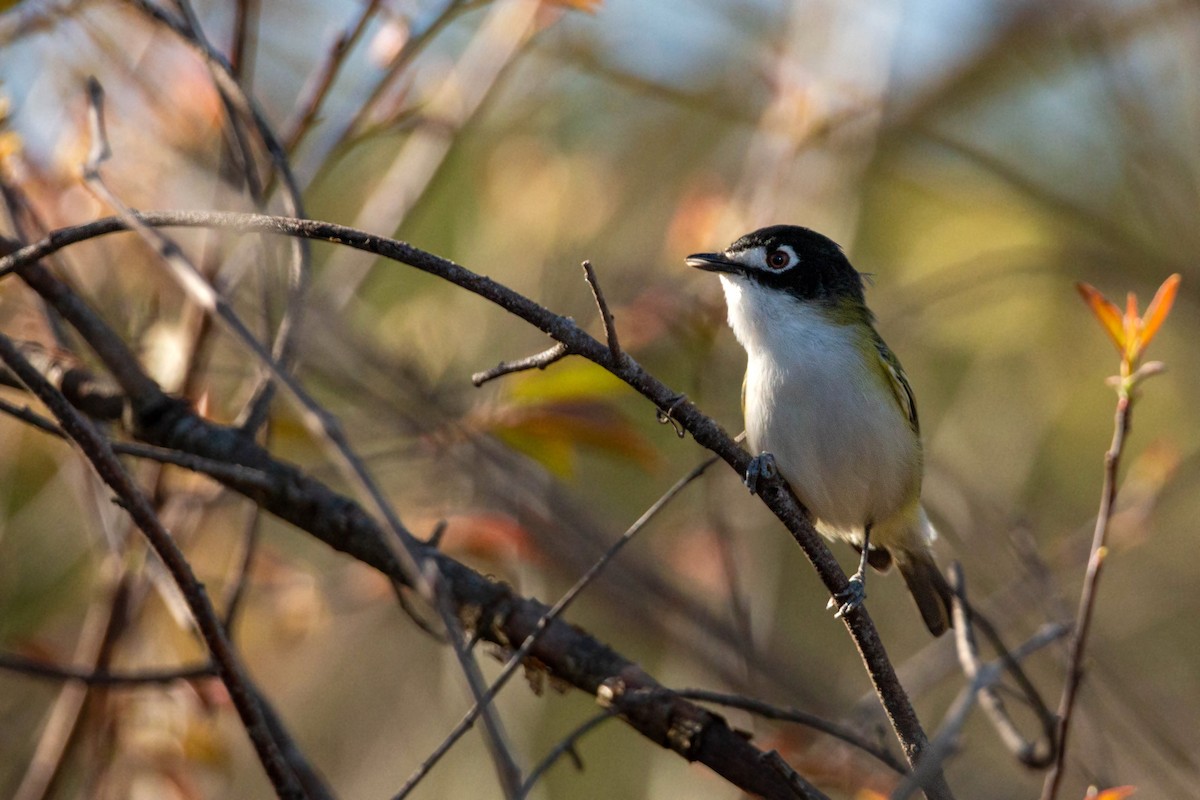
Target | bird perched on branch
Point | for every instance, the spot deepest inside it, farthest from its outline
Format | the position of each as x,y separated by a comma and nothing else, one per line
828,406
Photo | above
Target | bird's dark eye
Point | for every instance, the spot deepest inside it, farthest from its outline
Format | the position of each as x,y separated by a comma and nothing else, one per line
778,259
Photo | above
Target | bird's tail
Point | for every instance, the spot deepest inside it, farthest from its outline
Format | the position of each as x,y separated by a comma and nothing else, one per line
928,587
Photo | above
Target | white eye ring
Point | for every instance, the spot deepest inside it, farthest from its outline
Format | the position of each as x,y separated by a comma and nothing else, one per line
779,259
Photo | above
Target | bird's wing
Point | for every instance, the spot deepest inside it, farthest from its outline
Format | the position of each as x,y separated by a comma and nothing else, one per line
899,383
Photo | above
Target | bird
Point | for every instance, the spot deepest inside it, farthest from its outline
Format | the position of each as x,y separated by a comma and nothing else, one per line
828,407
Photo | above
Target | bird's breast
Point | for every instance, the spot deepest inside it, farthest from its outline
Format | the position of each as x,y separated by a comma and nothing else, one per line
817,400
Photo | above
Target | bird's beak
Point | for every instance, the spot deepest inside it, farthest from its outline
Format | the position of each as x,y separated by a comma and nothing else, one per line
714,262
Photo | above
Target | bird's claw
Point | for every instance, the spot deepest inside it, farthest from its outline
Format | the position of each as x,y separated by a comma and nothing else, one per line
849,598
762,467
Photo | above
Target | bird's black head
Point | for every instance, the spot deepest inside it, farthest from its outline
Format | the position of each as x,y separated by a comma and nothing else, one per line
792,259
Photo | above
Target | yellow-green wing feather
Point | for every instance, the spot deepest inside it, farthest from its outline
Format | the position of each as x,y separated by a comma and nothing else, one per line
899,382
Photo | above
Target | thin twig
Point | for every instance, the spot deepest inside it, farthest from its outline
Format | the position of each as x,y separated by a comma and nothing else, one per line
543,624
1038,755
606,317
316,89
1087,597
956,716
324,426
565,746
242,151
40,669
96,448
232,601
242,105
537,361
452,100
1032,754
809,720
241,51
417,41
494,736
94,646
30,417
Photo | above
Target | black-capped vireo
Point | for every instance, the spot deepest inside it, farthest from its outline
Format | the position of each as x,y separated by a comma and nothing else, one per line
827,404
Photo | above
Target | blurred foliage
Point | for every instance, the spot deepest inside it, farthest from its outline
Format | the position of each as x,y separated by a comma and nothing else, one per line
977,159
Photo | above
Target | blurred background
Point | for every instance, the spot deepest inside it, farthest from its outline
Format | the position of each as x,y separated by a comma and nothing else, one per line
976,158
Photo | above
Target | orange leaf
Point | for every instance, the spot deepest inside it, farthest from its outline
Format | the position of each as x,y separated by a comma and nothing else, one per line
1115,793
1107,312
1132,324
1159,307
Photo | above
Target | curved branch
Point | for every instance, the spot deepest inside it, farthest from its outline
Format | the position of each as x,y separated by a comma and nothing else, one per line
798,717
488,609
775,493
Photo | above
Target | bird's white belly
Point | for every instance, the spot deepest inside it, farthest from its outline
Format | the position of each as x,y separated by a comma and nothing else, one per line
843,444
817,400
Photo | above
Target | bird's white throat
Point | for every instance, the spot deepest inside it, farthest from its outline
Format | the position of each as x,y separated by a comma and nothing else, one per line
769,322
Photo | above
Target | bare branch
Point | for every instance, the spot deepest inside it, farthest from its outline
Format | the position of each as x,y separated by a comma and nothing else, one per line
537,361
316,89
543,624
606,317
94,446
40,669
495,738
960,709
801,787
840,732
1032,754
567,745
243,109
1087,597
776,494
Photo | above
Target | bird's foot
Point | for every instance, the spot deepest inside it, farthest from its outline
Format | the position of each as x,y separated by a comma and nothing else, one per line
849,598
762,467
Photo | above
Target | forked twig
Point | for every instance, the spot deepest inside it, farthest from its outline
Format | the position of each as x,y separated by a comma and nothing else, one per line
543,624
565,746
956,716
606,317
1033,754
